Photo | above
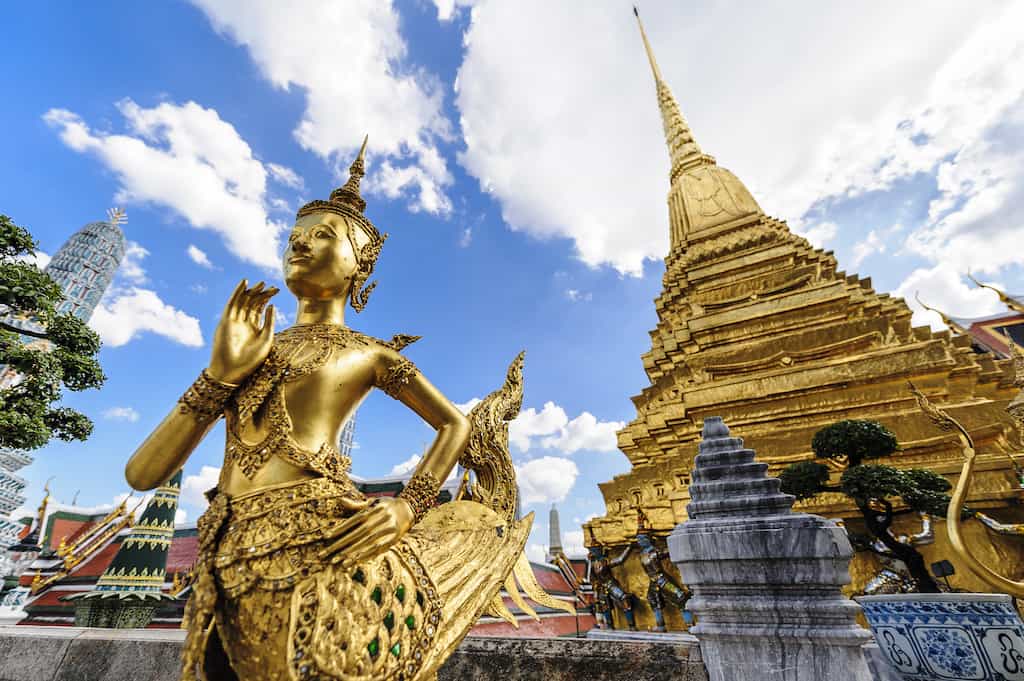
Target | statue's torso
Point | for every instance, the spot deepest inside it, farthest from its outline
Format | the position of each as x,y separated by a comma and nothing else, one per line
300,398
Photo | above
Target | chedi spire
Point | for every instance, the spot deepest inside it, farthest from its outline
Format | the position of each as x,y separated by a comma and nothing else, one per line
683,149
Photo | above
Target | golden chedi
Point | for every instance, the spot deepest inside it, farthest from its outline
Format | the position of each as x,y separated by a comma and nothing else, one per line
300,576
759,327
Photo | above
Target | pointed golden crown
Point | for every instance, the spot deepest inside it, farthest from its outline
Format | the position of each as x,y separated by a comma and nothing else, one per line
349,203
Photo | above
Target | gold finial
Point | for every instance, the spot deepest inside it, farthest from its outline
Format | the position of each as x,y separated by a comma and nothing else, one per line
647,46
947,320
1004,298
683,149
117,216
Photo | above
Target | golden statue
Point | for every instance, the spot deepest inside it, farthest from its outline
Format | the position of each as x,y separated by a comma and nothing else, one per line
954,513
299,576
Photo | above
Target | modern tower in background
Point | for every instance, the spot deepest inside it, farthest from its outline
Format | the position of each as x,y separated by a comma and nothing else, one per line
84,267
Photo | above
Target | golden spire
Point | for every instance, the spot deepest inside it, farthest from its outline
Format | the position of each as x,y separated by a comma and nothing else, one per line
948,321
683,149
1004,298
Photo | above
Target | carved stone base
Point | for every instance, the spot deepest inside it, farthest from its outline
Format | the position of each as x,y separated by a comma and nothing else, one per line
765,581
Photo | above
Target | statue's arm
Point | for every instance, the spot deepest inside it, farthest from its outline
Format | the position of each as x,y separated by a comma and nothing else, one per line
622,556
383,523
240,344
400,379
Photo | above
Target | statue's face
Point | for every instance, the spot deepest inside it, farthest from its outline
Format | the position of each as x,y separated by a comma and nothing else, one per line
320,259
643,540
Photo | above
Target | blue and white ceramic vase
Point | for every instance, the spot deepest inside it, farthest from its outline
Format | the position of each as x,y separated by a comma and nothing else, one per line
949,636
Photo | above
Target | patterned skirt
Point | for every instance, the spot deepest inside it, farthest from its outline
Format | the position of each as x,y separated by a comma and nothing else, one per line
279,612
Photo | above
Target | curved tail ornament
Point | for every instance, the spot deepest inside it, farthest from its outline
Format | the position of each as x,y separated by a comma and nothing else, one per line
487,455
948,424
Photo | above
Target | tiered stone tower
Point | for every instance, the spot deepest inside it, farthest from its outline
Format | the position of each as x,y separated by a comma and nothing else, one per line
84,267
759,327
131,588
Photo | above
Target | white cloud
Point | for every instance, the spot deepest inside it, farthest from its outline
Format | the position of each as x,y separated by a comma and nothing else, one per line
870,245
556,431
202,289
121,414
584,432
186,158
578,296
286,176
199,257
406,466
40,259
126,314
532,423
576,151
180,516
536,553
466,407
818,234
466,237
546,479
194,486
131,266
943,289
572,543
356,80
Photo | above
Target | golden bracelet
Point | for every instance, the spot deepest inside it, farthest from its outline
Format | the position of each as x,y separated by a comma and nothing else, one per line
205,399
421,492
397,377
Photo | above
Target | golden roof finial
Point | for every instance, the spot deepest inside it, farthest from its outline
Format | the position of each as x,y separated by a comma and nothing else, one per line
947,320
683,149
1004,298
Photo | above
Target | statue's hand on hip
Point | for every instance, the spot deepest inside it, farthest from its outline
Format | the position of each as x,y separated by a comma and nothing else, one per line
370,532
244,335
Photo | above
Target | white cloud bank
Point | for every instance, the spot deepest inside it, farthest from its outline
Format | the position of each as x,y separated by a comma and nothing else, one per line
186,158
194,486
126,314
546,479
353,71
893,91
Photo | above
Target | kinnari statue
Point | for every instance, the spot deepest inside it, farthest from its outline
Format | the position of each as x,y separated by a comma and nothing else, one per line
300,576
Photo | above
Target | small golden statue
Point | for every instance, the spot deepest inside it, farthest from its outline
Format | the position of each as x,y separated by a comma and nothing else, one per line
299,576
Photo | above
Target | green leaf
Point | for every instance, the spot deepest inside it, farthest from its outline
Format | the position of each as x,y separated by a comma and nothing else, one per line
805,479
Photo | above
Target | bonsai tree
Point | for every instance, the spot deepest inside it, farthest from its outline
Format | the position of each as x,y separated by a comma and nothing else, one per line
32,374
873,488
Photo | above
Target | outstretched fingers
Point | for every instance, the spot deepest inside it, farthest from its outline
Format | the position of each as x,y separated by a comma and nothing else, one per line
231,308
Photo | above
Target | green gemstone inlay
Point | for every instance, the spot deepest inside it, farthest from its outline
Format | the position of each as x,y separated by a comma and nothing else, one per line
410,622
396,649
389,621
376,595
374,648
359,576
400,593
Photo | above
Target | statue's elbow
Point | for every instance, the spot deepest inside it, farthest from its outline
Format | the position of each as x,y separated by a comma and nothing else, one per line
462,429
138,477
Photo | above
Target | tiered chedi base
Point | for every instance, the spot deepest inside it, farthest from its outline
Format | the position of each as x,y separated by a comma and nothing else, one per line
765,580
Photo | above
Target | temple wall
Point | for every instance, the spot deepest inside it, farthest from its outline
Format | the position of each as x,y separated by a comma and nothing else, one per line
70,654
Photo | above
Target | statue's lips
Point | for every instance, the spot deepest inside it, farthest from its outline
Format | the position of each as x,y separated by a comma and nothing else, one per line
298,259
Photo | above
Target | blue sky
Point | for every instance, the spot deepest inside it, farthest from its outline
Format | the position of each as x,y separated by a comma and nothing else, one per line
516,159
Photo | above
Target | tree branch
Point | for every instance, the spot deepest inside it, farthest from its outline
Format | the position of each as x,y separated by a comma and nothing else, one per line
27,332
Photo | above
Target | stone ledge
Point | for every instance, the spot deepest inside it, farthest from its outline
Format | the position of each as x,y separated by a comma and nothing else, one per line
74,654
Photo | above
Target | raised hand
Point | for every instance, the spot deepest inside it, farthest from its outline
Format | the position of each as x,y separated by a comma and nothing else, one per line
370,531
241,342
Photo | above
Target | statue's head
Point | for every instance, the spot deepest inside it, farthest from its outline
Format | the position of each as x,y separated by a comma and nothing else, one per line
333,247
644,541
595,553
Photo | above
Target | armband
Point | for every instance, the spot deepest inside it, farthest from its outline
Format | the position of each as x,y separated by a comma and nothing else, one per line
397,377
421,493
206,398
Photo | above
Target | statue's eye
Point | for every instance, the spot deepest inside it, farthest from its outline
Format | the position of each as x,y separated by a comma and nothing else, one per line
323,234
